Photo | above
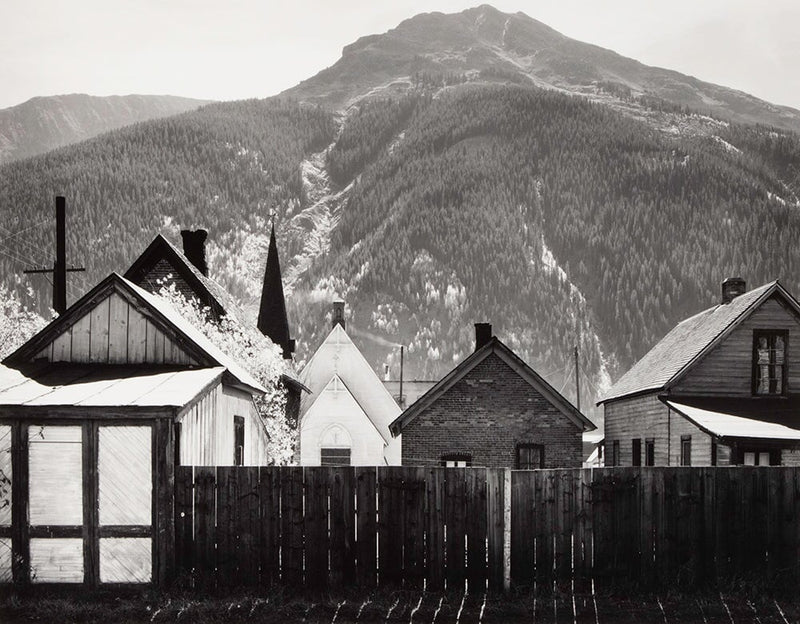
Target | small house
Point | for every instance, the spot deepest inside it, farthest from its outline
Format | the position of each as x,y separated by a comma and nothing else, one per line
721,388
97,409
492,410
345,418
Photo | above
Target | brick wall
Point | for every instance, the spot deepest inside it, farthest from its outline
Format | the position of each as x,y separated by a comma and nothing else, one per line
486,414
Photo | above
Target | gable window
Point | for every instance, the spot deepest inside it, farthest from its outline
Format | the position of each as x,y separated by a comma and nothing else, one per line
769,362
686,450
636,452
615,453
650,452
456,460
330,456
530,456
238,441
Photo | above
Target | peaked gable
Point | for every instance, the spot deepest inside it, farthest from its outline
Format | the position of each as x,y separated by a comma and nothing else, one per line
497,347
338,355
671,359
101,327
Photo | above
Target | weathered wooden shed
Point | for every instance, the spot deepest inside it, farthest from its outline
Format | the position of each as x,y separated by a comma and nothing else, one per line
96,410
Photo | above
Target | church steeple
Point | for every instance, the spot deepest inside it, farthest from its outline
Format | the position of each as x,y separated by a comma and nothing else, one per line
272,320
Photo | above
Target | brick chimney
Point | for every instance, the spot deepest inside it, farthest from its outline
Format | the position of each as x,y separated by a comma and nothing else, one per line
194,248
483,334
337,317
732,288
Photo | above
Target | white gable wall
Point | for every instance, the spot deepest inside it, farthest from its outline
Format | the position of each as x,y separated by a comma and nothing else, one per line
336,419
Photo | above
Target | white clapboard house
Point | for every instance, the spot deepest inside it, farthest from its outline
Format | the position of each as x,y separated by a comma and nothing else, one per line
96,410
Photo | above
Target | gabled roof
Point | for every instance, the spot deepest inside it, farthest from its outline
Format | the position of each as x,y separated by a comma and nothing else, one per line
337,355
329,387
160,311
726,425
272,319
494,345
689,341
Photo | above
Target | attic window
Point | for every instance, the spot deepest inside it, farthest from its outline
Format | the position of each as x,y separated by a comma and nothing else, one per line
769,357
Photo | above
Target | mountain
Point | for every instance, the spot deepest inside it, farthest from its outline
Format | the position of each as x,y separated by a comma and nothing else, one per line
515,47
452,194
45,123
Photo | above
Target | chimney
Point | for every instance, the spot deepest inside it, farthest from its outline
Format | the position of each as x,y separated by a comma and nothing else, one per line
194,248
386,376
732,288
338,314
483,334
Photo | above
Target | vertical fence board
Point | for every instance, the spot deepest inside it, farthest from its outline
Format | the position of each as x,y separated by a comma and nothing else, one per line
543,499
434,513
269,493
291,525
476,517
315,521
523,514
343,524
205,524
646,528
366,527
390,527
227,534
184,518
414,494
455,528
248,524
495,516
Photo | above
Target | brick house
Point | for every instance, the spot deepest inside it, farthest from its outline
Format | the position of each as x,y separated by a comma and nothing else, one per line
492,410
721,388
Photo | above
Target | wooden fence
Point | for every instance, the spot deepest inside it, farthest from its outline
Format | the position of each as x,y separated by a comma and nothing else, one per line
434,527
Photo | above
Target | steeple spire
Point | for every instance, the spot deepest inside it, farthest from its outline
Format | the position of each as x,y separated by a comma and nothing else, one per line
272,320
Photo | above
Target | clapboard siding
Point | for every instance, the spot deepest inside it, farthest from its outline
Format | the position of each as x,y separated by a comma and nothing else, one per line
115,332
207,430
727,370
639,417
680,426
6,478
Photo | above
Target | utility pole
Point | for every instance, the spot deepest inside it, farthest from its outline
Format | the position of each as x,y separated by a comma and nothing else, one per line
577,382
402,402
59,269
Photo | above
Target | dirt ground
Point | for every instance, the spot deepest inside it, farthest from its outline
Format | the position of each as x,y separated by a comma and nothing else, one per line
411,607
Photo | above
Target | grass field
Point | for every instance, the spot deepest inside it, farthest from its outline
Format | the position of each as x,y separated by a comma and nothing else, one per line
105,607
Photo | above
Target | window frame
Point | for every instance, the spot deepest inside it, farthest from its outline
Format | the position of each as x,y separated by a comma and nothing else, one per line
456,457
615,459
759,333
238,440
339,449
636,452
686,450
650,452
529,446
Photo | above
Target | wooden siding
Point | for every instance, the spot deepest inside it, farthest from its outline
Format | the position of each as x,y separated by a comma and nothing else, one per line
126,559
639,417
680,426
114,332
56,475
5,560
56,560
6,478
727,370
125,476
207,432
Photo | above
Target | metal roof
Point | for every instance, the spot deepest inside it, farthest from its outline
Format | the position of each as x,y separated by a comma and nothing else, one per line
732,426
103,386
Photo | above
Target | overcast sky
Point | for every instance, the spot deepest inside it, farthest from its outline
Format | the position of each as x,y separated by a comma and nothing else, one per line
233,49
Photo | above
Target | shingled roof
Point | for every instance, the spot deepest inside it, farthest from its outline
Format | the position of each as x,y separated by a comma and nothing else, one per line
688,343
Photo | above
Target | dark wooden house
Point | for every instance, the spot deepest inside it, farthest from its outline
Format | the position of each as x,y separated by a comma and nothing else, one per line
492,410
721,388
96,410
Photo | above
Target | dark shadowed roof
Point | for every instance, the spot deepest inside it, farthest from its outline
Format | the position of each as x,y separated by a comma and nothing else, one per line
515,363
689,341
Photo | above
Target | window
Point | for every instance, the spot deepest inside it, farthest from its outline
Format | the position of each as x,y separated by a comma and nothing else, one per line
769,357
178,431
713,452
330,456
456,460
238,441
686,450
615,453
530,456
636,452
759,457
650,452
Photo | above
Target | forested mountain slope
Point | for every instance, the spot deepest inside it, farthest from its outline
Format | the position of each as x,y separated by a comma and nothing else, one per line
457,197
45,123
